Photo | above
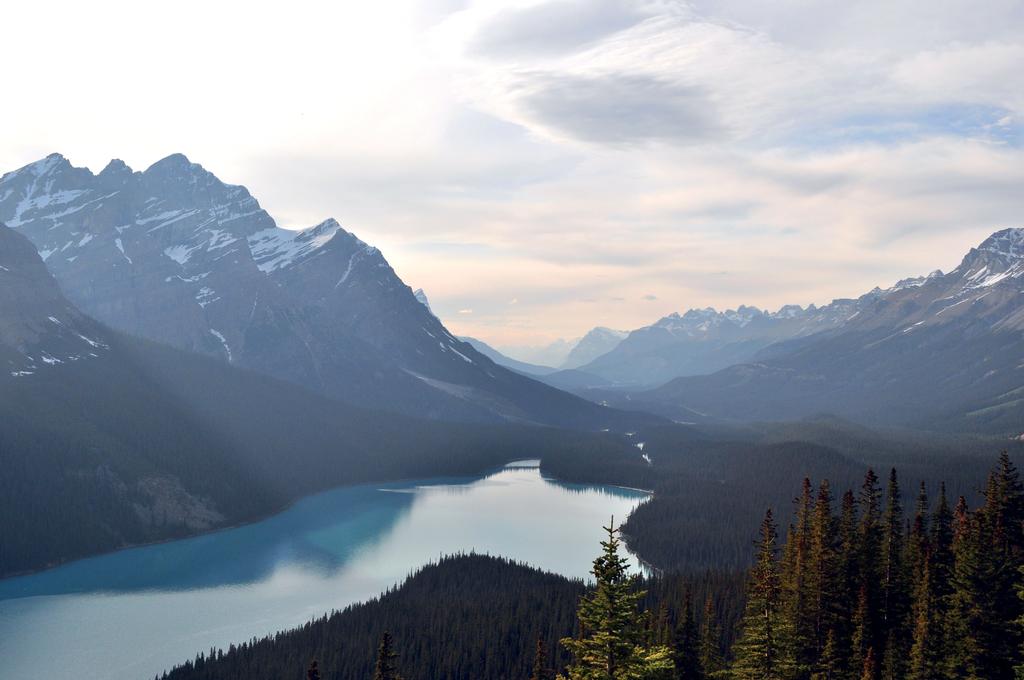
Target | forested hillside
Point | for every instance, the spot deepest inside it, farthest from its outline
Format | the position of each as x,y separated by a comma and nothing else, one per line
493,615
860,589
712,484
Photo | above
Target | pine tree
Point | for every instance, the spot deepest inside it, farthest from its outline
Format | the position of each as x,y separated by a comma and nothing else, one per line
541,671
822,575
895,598
796,582
926,650
861,641
385,668
982,636
686,644
764,650
661,633
869,670
917,540
1005,515
940,560
711,661
611,641
847,585
867,618
828,667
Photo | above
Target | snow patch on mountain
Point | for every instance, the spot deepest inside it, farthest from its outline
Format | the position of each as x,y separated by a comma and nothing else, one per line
277,248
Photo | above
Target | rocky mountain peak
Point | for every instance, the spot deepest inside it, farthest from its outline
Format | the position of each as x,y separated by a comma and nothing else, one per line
1007,243
999,257
116,168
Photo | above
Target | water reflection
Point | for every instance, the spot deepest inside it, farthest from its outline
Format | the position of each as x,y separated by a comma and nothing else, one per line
147,608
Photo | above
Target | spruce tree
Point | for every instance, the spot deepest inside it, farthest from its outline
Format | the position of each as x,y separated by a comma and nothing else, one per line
610,645
982,635
847,585
796,582
860,643
686,644
711,661
764,650
926,649
940,543
895,599
869,669
867,621
541,671
822,574
828,667
385,668
917,541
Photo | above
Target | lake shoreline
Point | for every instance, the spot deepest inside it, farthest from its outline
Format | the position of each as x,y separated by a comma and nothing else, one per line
348,545
288,506
229,527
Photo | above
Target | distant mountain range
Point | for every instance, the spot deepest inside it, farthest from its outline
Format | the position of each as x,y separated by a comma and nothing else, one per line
702,341
174,255
944,351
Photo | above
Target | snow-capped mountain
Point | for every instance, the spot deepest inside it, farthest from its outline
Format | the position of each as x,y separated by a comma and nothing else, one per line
597,342
703,341
175,255
38,327
943,351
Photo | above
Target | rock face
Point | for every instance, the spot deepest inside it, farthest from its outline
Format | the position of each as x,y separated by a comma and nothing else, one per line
943,351
37,324
173,254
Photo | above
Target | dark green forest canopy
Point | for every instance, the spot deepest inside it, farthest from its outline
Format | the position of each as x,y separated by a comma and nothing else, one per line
713,484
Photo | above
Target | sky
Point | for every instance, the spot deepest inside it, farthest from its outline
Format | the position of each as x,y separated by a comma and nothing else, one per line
540,168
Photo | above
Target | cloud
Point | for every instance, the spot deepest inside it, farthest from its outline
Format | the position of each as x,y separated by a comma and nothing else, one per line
619,108
552,28
650,297
465,311
573,155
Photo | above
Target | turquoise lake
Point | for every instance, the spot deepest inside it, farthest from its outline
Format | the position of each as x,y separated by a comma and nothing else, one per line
135,613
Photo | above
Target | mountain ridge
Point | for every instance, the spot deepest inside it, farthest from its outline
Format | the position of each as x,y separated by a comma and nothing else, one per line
944,353
175,255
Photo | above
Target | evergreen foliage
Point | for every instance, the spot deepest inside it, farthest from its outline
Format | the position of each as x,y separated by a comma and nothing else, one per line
386,667
765,648
611,644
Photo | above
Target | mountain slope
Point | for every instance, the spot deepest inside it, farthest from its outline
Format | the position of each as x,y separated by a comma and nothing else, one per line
944,352
506,361
109,441
175,255
597,342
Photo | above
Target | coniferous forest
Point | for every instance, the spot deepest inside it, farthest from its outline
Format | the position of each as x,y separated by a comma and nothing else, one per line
849,585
